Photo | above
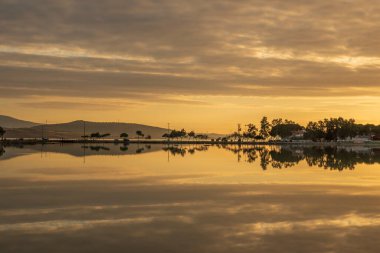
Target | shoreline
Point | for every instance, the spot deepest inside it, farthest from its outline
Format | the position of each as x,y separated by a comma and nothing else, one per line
11,142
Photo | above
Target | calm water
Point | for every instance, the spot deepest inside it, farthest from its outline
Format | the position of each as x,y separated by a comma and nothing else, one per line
197,199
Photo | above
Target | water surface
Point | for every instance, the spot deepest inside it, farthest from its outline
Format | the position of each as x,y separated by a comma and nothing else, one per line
156,198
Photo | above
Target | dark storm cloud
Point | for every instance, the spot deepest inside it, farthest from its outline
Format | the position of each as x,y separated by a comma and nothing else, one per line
262,48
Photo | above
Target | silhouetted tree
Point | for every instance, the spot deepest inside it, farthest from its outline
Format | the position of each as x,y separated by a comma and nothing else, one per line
201,137
275,123
175,134
251,132
166,135
333,129
315,131
235,136
139,134
105,135
95,135
191,135
182,134
124,135
284,130
264,127
339,128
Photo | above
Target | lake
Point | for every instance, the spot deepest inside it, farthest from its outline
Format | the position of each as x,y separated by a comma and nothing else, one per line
191,198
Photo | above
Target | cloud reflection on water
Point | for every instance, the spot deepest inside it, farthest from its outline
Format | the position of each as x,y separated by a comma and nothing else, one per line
165,212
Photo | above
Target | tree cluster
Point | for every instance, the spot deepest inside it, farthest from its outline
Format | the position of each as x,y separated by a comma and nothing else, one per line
334,129
278,127
180,134
98,135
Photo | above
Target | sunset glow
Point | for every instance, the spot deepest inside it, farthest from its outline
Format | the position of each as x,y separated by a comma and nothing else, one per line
204,65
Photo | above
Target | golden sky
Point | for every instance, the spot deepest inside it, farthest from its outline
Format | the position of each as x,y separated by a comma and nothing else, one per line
202,65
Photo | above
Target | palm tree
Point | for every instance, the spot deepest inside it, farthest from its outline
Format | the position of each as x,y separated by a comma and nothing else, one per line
191,135
182,134
139,134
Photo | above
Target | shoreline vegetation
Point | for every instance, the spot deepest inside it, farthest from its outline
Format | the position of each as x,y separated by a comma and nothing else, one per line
268,156
12,142
333,131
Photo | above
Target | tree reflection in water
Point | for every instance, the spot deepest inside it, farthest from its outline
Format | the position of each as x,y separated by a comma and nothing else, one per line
333,158
182,151
280,157
96,148
2,151
267,156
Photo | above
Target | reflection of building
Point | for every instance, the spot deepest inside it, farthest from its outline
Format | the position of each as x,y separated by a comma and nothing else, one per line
297,134
276,138
361,139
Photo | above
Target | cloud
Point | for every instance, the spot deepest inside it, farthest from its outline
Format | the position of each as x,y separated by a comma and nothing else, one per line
75,105
110,48
247,58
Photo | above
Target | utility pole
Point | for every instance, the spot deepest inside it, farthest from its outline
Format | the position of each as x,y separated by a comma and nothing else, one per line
168,142
84,130
239,130
84,142
168,131
84,154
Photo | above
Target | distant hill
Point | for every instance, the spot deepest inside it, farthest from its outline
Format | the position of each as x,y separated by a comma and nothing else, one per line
75,129
10,122
72,130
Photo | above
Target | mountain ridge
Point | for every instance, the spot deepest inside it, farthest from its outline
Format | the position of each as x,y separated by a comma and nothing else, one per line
11,122
77,128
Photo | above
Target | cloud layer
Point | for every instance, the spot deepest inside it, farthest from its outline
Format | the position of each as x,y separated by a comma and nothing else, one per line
130,49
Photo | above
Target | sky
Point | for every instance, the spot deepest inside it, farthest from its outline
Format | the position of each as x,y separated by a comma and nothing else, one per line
200,65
